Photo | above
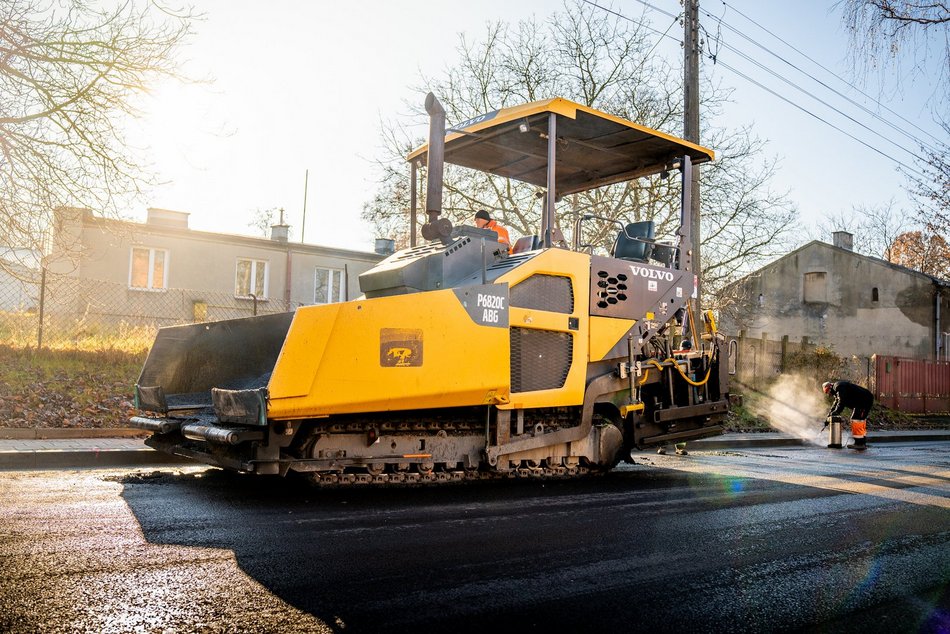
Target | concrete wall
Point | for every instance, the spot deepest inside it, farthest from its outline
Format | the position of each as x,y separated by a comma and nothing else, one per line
900,321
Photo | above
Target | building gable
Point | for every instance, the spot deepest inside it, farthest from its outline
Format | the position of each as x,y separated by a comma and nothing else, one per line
857,304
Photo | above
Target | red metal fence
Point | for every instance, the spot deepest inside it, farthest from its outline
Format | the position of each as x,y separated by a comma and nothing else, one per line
915,386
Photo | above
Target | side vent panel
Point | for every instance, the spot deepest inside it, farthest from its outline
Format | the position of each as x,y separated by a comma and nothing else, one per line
540,359
611,289
553,293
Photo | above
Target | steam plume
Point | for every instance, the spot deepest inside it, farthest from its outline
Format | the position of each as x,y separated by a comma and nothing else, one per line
794,405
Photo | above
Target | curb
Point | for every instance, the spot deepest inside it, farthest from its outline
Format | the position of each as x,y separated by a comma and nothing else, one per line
53,433
745,441
46,459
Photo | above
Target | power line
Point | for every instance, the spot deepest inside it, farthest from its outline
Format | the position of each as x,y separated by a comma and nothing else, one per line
829,71
801,89
769,90
815,97
657,9
826,122
890,124
676,19
643,24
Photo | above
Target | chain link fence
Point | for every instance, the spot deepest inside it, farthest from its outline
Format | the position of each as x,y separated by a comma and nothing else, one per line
40,309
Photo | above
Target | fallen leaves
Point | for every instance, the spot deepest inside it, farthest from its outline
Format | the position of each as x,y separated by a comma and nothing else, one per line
66,390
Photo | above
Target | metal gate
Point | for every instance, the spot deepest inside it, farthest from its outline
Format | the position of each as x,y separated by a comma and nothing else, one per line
914,386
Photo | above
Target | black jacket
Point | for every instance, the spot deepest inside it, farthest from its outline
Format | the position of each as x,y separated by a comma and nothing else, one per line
850,395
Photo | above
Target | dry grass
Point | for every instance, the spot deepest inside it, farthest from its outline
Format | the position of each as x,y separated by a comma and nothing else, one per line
19,330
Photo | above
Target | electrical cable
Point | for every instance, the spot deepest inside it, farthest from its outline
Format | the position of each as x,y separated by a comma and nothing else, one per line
643,24
721,22
828,123
827,70
791,83
763,87
918,141
816,98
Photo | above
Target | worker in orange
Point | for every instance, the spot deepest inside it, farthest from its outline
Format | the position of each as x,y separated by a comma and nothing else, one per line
483,220
859,400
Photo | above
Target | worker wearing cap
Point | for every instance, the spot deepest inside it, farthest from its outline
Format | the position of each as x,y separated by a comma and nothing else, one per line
859,400
483,220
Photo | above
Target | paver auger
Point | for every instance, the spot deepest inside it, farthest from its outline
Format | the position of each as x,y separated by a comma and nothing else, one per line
460,359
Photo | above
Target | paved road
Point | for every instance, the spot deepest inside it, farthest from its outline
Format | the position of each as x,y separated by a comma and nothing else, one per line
752,540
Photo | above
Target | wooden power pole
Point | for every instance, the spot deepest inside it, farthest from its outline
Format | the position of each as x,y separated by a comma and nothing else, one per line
691,129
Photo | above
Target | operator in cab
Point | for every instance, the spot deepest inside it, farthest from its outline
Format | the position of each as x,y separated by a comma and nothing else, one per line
483,220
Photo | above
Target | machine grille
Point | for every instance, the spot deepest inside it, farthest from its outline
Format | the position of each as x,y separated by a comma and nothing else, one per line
540,359
544,292
611,289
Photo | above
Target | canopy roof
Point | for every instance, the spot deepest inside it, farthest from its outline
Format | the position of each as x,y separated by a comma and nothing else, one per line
593,149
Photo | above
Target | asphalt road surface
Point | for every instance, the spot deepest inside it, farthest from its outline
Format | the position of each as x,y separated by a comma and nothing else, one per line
745,541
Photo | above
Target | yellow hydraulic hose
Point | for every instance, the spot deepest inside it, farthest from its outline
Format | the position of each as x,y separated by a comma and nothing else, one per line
676,365
689,380
692,323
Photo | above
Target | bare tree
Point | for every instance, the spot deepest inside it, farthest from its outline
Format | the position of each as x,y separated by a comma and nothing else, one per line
931,187
885,33
600,61
69,73
875,227
895,33
262,220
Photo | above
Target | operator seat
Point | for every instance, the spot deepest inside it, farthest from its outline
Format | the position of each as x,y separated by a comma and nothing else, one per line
664,253
635,250
533,243
527,243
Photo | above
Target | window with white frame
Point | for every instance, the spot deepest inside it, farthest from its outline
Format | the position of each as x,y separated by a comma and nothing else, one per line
250,278
328,286
148,269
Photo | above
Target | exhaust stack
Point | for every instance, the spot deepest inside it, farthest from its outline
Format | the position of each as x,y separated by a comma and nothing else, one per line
435,228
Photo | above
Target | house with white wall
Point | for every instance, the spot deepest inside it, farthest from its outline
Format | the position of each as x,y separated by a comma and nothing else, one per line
174,273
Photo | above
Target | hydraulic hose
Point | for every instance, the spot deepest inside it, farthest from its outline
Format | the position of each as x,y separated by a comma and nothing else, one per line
676,365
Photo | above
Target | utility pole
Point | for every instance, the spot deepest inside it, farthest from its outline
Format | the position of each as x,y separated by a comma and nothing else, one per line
691,130
303,223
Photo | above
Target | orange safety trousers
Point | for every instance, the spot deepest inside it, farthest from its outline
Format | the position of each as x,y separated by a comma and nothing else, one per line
859,428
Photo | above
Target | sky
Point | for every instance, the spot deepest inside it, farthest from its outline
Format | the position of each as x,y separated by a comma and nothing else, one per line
298,87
